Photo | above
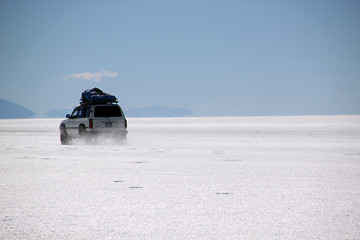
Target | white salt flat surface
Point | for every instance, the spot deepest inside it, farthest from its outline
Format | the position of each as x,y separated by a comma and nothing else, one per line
184,178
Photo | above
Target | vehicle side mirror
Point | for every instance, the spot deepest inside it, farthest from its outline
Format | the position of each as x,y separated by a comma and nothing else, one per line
68,116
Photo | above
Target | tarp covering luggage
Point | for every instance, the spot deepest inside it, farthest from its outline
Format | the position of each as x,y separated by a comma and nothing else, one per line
96,95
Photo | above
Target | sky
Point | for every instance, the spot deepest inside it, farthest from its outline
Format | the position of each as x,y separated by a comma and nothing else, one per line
214,57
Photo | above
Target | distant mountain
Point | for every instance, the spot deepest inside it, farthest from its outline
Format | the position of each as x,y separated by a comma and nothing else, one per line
157,111
9,110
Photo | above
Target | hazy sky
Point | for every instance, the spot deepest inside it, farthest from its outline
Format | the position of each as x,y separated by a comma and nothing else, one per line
214,57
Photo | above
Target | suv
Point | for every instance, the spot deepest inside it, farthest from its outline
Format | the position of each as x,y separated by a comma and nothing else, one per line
93,119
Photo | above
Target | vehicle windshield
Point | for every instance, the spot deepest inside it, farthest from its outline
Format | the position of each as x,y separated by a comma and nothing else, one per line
74,114
107,111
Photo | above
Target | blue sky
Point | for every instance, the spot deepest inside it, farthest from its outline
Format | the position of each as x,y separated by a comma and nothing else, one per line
216,58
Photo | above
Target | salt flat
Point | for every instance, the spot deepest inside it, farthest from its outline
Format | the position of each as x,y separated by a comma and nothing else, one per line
184,178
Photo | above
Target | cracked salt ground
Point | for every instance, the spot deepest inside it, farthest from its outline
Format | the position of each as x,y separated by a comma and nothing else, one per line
184,178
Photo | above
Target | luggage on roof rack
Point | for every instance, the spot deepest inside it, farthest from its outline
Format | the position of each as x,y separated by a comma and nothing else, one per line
96,95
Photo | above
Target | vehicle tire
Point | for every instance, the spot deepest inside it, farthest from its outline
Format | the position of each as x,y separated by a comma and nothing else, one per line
84,135
82,130
64,137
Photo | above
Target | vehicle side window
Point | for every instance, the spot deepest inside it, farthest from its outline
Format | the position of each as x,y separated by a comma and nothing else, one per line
81,113
75,113
87,112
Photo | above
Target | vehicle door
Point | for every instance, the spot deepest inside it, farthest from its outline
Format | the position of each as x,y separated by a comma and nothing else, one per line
81,117
71,126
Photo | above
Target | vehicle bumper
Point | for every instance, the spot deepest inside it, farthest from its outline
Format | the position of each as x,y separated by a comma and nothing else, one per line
108,132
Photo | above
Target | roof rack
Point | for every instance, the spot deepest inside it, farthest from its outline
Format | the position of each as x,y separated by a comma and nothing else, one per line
97,96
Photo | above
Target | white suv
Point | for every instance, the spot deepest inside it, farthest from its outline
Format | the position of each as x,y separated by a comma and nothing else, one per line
92,119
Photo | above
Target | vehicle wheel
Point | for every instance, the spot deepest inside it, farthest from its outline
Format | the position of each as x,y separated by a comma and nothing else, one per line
82,131
84,135
64,138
